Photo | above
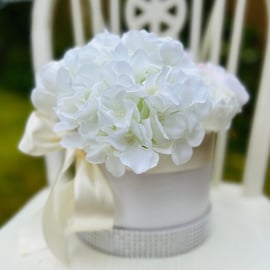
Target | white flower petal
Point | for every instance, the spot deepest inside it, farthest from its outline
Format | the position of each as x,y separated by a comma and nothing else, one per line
158,129
181,152
114,166
175,125
47,77
65,126
171,52
72,140
142,66
120,52
139,159
227,94
133,40
64,83
118,139
97,153
239,90
123,68
44,101
105,39
196,137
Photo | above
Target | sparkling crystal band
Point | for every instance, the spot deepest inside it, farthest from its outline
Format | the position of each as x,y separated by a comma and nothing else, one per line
150,243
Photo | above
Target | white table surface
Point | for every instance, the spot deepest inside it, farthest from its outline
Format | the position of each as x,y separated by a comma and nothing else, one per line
239,240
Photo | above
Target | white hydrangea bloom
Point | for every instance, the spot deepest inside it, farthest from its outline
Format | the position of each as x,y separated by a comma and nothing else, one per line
228,96
125,100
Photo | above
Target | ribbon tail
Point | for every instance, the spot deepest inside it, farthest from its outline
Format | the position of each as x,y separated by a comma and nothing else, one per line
83,204
94,200
57,211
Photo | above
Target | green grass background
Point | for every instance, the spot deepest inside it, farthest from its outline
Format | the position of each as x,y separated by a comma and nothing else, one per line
20,175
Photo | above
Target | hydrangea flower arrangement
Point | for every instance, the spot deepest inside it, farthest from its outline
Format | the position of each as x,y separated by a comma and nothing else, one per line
123,101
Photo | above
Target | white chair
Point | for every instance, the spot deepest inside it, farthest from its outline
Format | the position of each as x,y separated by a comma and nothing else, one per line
242,209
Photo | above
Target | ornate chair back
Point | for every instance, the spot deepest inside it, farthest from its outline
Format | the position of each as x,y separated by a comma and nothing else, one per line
204,29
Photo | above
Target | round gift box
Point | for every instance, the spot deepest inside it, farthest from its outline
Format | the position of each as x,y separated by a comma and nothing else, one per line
161,213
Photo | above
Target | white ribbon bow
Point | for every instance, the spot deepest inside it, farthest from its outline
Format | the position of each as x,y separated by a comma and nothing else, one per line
80,202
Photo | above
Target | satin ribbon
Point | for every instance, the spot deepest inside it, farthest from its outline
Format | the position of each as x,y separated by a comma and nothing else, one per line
80,202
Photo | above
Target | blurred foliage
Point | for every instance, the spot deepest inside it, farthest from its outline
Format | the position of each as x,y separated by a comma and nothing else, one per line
15,65
20,175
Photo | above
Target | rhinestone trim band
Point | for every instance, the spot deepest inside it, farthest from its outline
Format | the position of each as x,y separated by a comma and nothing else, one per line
150,243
